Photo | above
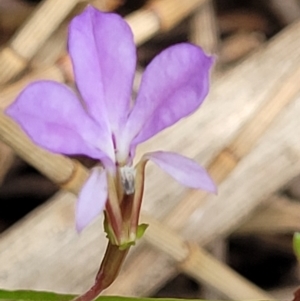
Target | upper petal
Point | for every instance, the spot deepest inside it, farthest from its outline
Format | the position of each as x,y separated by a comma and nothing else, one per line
104,57
184,170
92,198
174,85
53,117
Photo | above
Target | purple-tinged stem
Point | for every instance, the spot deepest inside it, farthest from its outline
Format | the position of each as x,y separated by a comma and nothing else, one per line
108,272
113,210
138,196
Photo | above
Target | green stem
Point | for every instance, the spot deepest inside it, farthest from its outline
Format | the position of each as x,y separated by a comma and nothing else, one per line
108,272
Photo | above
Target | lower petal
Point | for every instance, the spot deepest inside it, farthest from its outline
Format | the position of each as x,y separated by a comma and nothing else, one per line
92,198
185,170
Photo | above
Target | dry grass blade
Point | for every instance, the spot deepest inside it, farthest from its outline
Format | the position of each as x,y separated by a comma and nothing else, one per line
199,264
280,215
145,23
9,93
58,168
22,47
225,162
6,160
204,28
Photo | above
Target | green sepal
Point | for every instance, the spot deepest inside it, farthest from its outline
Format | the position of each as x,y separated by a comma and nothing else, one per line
126,245
109,232
139,234
141,230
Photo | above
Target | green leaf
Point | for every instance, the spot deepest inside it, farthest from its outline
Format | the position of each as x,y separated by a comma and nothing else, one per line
33,296
49,296
296,245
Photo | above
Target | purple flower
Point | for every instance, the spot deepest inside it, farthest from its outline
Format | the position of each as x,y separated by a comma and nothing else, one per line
102,122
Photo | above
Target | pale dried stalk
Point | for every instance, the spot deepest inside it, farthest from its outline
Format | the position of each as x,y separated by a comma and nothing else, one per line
6,160
239,45
160,16
52,50
225,162
105,5
145,23
57,168
199,264
288,11
204,29
191,259
40,26
8,94
22,47
281,215
240,20
171,12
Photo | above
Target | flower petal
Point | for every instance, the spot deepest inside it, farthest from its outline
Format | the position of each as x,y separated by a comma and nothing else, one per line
92,198
173,86
51,114
184,170
104,58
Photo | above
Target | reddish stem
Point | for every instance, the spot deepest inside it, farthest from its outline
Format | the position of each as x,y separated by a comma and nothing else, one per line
108,272
138,195
113,210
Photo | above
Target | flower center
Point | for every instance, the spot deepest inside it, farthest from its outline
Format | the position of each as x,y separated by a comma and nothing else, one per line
128,179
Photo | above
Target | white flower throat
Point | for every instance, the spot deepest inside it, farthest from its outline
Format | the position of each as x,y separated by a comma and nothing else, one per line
128,179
